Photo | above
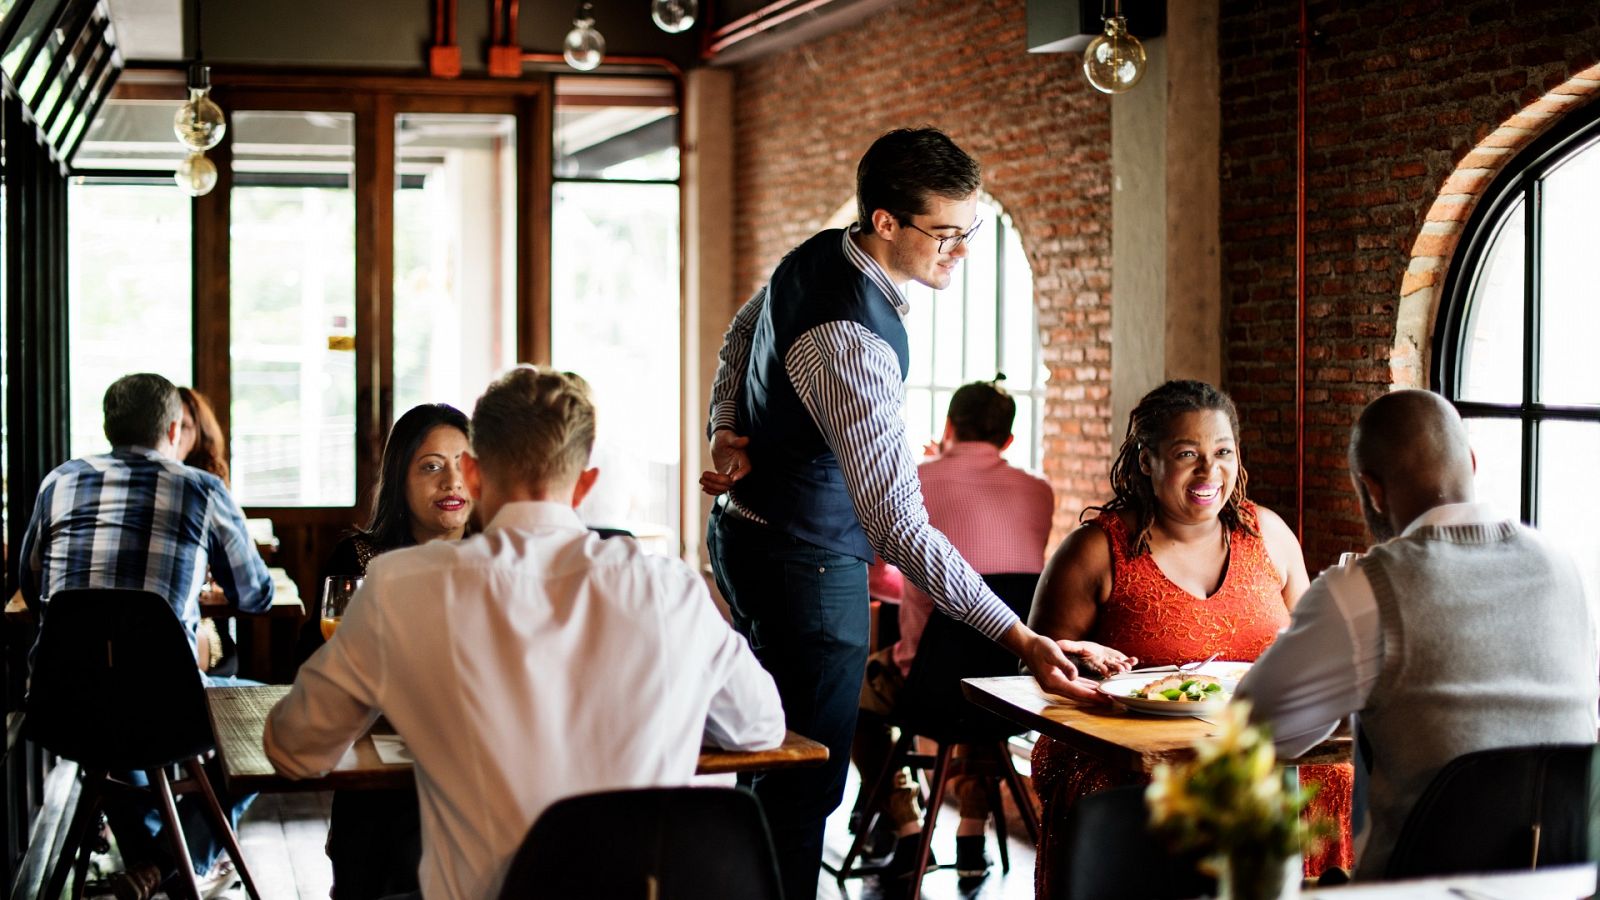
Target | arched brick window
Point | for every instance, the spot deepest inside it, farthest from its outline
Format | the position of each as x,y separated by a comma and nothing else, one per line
1517,340
985,322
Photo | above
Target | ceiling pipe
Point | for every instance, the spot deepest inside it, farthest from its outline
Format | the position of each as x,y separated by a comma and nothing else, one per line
444,56
767,17
1303,53
610,61
505,57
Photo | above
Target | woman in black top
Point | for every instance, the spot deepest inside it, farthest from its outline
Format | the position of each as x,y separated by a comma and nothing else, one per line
374,837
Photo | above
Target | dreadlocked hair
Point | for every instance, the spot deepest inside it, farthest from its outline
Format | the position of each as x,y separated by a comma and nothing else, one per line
1149,425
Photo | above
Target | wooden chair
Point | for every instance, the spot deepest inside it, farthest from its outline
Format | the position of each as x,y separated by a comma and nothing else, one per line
115,688
662,843
1501,810
931,706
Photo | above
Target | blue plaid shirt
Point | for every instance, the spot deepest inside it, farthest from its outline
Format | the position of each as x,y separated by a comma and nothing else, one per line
137,520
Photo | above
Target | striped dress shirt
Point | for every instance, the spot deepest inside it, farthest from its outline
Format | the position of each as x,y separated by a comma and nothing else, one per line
136,520
849,381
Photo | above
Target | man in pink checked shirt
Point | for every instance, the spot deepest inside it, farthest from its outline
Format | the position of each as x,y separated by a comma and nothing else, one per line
998,517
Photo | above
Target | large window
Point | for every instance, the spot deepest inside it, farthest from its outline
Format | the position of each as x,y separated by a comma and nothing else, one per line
615,301
1517,337
983,324
455,263
128,307
292,304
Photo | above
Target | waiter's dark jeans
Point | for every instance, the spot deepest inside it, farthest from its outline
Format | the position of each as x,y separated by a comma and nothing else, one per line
804,610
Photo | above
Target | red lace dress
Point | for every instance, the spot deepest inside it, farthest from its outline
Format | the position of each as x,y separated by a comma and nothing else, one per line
1150,617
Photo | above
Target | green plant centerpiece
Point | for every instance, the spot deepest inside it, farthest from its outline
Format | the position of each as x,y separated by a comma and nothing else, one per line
1232,804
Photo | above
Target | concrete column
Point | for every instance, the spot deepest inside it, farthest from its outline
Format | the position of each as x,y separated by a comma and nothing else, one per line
1166,318
1194,193
1138,237
708,297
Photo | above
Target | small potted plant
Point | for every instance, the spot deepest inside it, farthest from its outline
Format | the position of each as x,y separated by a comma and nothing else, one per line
1230,804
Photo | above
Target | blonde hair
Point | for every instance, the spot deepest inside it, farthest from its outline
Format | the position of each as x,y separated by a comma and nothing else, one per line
534,426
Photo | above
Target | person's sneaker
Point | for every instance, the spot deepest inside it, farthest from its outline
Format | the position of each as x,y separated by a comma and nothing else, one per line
972,860
216,883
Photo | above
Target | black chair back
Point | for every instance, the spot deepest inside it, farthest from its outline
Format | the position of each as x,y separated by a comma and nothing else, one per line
1110,854
931,703
114,683
696,843
1507,809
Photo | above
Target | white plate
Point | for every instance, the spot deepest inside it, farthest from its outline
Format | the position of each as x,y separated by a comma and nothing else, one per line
1120,687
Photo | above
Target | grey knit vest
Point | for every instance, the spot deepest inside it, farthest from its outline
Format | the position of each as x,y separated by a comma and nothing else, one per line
1487,642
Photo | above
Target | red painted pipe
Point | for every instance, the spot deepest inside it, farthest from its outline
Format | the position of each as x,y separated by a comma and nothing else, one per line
1304,52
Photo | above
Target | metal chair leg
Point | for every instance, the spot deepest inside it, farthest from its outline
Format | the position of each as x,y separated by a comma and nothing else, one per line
941,774
880,793
187,885
1025,808
88,797
220,823
997,809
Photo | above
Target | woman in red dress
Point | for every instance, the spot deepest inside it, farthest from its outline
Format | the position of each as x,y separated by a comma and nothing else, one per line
1176,567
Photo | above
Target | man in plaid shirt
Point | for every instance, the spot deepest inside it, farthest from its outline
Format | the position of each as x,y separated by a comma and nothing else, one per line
138,519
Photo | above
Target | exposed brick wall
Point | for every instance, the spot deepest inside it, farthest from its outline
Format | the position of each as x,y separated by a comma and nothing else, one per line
1398,95
1042,135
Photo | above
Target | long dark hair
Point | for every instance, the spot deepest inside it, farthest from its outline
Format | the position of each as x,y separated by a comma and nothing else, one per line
1148,425
210,452
390,525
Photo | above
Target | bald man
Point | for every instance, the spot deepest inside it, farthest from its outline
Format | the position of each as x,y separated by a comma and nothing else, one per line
1458,631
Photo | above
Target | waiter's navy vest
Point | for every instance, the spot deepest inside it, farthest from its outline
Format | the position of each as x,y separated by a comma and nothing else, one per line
795,483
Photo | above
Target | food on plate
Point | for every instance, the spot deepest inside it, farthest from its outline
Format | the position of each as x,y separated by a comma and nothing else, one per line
1182,687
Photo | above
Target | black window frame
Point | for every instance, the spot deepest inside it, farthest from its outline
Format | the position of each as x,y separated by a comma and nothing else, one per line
1522,181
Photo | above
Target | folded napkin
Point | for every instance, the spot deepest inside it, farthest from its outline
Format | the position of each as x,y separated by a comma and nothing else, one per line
392,749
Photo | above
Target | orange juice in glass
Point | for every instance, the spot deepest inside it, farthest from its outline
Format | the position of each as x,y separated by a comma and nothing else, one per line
336,593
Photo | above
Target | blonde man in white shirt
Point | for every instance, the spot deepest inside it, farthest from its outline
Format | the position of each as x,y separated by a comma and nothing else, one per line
531,662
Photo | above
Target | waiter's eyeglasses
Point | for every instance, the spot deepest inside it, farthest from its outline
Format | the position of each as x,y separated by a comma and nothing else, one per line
947,244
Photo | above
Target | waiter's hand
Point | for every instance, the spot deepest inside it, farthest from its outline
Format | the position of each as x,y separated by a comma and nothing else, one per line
729,462
1049,664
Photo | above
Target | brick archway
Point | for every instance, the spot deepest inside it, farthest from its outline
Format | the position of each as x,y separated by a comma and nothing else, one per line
1409,358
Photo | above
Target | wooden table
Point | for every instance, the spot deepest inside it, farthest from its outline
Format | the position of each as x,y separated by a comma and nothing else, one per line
239,716
259,633
1556,883
1131,741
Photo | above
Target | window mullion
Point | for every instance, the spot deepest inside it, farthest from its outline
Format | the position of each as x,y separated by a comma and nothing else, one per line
1531,274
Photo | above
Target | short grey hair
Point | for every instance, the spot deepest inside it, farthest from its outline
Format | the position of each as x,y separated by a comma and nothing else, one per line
139,408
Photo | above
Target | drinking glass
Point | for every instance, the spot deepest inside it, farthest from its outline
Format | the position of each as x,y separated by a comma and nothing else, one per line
336,593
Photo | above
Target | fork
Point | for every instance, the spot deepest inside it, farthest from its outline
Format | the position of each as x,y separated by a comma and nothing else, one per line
1193,666
1186,667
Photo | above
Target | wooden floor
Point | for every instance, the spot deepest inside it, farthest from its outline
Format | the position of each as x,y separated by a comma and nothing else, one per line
282,837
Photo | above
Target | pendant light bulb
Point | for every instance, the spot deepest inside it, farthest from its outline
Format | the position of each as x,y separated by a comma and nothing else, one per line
1114,62
199,123
196,175
584,47
674,16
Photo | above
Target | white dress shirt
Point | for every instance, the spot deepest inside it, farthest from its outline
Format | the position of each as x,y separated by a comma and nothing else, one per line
529,663
1324,666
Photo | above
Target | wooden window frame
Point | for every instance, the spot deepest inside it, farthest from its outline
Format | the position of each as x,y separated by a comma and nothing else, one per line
374,101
